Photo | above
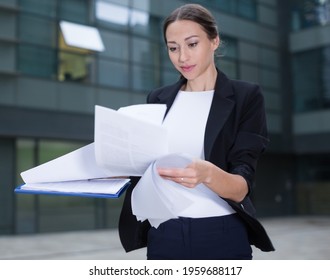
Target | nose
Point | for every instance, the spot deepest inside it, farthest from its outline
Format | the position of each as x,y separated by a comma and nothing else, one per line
183,55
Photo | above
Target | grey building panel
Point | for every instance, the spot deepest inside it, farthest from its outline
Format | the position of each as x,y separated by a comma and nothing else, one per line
270,57
22,122
139,98
274,123
318,143
8,3
273,100
270,78
7,152
7,57
249,73
267,15
113,98
269,2
315,122
248,52
76,98
310,38
247,30
8,24
36,93
7,89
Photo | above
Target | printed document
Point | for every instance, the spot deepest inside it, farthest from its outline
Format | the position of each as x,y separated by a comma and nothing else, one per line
125,143
159,200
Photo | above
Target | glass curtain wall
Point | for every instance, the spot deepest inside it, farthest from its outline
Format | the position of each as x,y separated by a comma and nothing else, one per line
135,57
309,13
311,85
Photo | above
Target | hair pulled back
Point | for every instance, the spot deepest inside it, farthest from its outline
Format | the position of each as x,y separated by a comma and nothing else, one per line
195,13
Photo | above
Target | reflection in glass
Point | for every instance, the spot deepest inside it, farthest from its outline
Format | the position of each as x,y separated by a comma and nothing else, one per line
307,81
37,61
74,64
111,73
73,10
112,13
36,30
81,36
145,78
41,7
309,13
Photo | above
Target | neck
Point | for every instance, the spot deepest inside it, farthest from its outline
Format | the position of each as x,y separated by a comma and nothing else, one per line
204,82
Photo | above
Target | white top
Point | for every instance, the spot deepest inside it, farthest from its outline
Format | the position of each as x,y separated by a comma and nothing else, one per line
186,120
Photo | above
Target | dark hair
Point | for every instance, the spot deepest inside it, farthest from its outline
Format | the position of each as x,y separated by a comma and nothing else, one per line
195,13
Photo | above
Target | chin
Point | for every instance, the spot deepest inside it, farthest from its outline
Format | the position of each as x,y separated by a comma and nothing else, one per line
187,75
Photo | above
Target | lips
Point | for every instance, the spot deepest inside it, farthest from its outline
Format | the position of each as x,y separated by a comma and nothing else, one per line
187,68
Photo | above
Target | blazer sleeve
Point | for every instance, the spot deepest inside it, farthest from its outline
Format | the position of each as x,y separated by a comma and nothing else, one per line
251,136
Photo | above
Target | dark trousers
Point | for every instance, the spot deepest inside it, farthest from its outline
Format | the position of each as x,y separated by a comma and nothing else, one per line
213,238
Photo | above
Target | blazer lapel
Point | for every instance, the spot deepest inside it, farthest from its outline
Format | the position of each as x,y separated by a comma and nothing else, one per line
167,97
222,106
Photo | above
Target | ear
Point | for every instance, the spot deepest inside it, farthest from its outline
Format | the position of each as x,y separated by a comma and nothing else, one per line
216,43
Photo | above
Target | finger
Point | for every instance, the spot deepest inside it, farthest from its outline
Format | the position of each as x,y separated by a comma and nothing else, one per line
171,172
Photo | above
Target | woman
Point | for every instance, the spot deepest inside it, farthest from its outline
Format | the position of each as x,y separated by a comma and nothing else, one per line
222,123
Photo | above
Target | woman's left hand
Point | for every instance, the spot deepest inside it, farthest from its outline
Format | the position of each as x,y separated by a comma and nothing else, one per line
197,172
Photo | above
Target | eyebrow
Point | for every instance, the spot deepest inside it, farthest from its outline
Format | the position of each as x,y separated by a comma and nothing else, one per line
186,39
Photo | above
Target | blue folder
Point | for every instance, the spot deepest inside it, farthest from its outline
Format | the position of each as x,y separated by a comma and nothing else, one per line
19,190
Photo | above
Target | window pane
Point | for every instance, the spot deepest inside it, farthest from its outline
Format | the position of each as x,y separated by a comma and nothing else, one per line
228,67
326,75
74,67
165,60
73,10
25,204
117,46
41,7
269,78
317,167
309,13
111,73
145,78
229,6
145,52
112,15
49,150
307,83
247,9
24,157
145,24
37,31
229,47
169,76
65,213
37,61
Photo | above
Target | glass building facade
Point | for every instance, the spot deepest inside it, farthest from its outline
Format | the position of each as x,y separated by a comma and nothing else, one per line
49,87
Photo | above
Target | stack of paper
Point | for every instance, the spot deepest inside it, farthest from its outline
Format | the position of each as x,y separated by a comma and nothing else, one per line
126,142
159,200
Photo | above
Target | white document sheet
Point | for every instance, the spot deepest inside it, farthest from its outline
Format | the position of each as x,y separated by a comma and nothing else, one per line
153,113
76,165
126,142
127,145
159,200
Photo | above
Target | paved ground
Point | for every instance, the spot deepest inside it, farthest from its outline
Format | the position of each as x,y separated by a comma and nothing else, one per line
298,238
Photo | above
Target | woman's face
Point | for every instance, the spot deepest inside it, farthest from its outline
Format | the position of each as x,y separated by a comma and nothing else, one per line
189,48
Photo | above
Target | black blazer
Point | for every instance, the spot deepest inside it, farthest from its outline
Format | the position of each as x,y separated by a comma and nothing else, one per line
235,137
